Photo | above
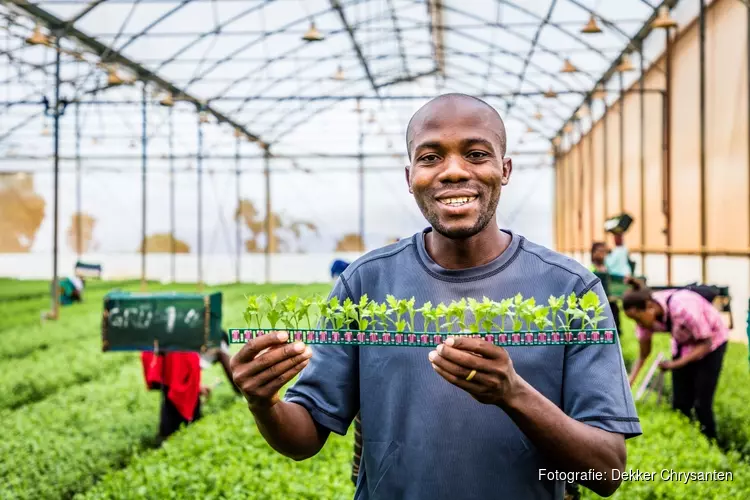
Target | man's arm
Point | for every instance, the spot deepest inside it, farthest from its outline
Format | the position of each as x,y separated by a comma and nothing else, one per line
260,369
569,444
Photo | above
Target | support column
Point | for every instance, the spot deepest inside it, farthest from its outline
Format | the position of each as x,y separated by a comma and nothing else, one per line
667,164
55,291
238,219
605,149
642,117
173,242
199,167
269,218
144,204
360,112
702,137
592,191
622,145
79,238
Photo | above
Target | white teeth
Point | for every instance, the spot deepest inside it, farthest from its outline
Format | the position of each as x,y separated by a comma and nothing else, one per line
457,202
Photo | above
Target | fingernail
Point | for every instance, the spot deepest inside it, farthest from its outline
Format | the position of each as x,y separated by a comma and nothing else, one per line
432,355
434,366
450,341
282,336
307,353
440,349
299,347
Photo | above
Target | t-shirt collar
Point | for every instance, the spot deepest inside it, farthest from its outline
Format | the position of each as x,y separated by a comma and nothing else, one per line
490,268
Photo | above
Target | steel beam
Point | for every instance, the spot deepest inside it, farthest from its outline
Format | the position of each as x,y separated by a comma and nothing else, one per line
56,190
336,5
112,55
144,198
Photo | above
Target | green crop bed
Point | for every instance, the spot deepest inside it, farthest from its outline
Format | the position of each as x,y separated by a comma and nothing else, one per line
79,423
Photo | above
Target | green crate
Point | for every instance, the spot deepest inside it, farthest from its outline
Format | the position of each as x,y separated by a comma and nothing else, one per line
161,321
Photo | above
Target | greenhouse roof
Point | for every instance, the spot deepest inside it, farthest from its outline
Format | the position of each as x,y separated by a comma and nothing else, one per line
291,75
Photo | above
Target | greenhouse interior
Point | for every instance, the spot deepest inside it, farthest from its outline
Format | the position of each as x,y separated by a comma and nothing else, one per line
178,178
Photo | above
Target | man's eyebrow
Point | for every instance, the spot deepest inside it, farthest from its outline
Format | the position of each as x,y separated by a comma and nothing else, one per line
428,145
478,140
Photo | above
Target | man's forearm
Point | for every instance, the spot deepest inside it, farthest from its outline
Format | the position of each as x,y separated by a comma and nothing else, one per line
571,445
290,429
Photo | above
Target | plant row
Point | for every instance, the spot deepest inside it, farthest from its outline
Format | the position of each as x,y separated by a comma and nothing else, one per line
64,444
225,456
467,315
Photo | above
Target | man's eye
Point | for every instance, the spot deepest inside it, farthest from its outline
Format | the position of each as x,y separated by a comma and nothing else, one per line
477,154
429,157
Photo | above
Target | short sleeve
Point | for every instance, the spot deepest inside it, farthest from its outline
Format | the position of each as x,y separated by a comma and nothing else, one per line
642,333
595,384
328,387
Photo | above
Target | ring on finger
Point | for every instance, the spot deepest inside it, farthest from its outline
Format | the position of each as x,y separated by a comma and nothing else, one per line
471,375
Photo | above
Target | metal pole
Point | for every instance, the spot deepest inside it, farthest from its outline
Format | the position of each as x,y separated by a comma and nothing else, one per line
622,145
361,178
747,48
580,186
641,85
172,242
199,167
269,218
238,219
55,283
702,138
591,179
605,175
667,165
556,204
144,146
79,245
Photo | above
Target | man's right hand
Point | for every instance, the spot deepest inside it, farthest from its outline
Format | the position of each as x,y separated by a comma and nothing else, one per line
263,365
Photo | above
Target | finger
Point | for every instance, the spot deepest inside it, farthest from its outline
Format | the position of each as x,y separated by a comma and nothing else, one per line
457,370
274,385
254,346
279,369
274,356
477,346
471,387
468,359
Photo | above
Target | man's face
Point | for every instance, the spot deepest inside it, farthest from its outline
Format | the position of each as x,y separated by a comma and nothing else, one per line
457,166
600,253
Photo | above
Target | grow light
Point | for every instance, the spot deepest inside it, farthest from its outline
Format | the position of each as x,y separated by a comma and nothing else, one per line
427,339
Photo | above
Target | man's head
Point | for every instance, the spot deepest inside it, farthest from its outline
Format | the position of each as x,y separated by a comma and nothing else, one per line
599,252
456,146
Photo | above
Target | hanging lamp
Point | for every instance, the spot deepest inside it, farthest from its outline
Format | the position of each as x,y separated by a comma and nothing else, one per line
37,37
591,27
312,34
237,133
568,67
625,64
550,94
556,141
664,19
538,115
167,101
339,75
113,79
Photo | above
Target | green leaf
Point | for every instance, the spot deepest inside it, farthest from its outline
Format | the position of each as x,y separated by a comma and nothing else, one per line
589,301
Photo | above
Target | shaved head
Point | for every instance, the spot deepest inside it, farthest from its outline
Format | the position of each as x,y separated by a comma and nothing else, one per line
445,106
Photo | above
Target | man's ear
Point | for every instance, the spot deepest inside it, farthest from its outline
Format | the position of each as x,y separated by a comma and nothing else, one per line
507,170
408,180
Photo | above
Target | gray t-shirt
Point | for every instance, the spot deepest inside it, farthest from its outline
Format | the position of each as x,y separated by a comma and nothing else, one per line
427,439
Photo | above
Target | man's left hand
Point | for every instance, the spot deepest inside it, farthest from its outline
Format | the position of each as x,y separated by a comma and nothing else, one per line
493,381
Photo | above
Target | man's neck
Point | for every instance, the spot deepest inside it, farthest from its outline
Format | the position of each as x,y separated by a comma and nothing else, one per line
480,249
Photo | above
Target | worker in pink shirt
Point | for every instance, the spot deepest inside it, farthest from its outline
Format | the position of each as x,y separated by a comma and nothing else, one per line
699,340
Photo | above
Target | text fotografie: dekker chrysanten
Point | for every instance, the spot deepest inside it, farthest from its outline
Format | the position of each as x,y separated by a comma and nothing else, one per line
669,475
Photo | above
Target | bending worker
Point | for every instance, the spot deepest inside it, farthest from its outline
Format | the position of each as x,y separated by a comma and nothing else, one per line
467,420
699,340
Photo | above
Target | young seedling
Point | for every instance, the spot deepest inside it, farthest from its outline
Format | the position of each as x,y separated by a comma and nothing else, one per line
399,308
429,316
555,305
441,311
590,303
542,321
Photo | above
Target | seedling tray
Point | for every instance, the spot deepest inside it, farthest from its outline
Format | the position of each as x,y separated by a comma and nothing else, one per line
427,339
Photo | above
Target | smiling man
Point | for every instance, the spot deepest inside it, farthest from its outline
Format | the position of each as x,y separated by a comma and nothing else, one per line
468,420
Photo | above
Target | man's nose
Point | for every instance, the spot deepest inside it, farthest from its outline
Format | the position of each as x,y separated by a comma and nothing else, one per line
454,169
